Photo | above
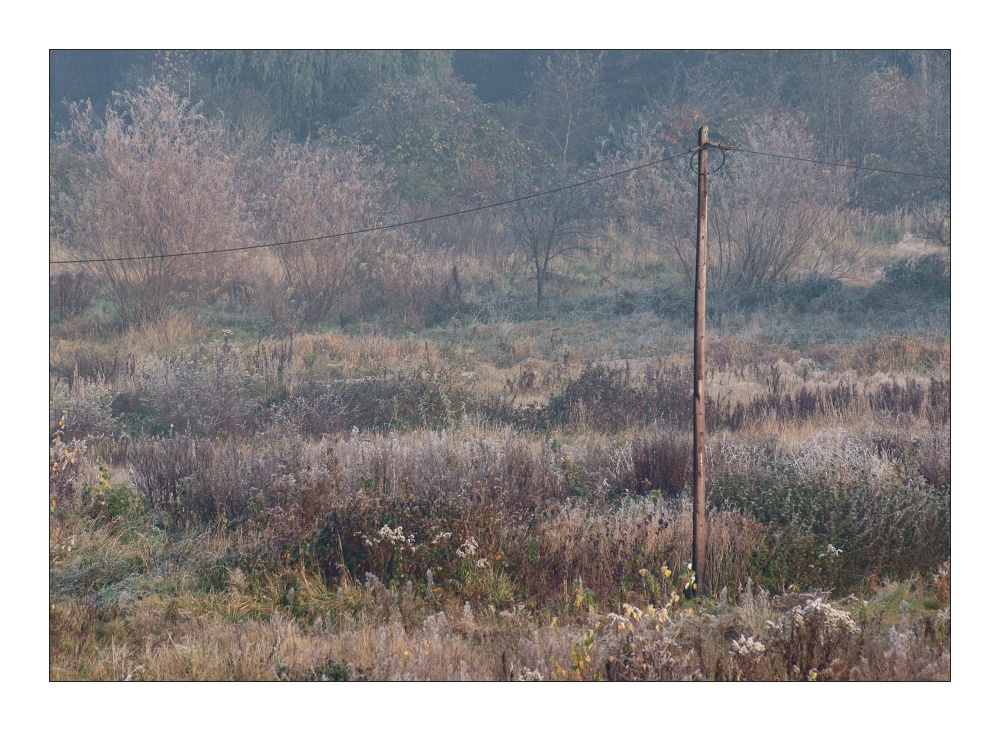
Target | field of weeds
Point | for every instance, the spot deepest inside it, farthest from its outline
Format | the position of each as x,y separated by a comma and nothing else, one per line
504,496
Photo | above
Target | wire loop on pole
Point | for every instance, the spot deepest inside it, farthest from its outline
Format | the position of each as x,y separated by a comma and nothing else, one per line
691,162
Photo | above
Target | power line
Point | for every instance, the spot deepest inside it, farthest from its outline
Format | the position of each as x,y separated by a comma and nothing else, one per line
373,229
386,227
843,165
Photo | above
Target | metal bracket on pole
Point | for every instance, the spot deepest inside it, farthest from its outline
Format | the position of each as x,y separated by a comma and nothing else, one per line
719,145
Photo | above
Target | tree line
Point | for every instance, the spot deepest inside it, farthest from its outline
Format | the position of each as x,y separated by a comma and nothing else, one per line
185,149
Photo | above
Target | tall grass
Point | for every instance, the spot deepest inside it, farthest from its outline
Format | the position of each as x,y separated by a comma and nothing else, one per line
485,503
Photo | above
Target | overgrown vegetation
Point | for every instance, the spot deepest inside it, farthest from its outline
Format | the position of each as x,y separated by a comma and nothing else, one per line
461,450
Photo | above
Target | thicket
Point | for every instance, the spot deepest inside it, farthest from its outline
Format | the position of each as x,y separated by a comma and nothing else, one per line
402,137
512,519
219,436
154,178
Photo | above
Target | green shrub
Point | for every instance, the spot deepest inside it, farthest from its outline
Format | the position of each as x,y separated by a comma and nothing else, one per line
109,501
876,527
930,273
911,280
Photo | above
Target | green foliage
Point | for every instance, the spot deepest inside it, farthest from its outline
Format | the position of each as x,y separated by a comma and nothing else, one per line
877,527
438,139
310,89
108,501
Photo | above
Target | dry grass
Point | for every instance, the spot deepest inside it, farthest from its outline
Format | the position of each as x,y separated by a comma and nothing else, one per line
368,632
484,500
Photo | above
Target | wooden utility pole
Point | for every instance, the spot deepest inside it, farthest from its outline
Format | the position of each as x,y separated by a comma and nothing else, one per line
701,277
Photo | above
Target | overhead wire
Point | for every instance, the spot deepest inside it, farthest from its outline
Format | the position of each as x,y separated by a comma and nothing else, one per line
373,229
843,165
488,206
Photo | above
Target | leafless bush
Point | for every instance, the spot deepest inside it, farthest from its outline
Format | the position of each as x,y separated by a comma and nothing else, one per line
544,230
935,222
92,362
933,455
202,479
66,464
315,189
328,413
82,408
69,294
419,287
772,219
502,466
160,181
607,548
662,463
888,353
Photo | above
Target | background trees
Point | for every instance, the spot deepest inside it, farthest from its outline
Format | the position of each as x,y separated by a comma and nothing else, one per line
564,105
310,89
336,140
435,135
773,219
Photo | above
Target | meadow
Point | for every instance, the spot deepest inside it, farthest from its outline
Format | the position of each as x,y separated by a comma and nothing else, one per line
481,488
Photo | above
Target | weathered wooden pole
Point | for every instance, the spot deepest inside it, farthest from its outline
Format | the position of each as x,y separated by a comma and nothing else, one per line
701,277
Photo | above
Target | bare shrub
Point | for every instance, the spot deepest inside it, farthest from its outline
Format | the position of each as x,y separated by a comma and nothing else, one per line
202,480
69,294
211,389
812,634
543,231
66,464
933,455
942,583
609,549
412,287
773,219
316,189
662,463
610,398
160,181
327,413
935,221
888,353
81,408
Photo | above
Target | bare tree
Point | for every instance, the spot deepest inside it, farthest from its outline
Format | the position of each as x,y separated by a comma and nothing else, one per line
158,180
549,227
935,221
565,98
652,204
904,122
